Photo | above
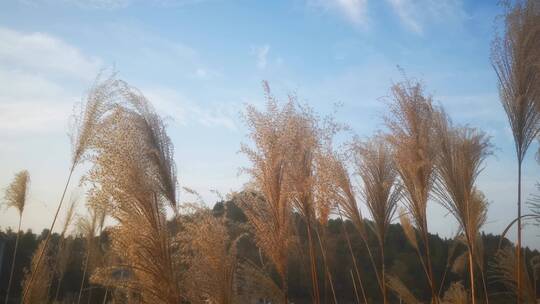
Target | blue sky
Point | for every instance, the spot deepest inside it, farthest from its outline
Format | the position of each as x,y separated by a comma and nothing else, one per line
200,61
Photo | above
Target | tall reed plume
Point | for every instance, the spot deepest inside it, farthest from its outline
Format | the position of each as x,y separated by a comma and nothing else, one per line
127,174
411,136
515,57
15,197
380,191
462,151
270,217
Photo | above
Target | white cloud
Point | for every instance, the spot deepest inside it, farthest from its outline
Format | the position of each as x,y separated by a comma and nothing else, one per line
32,104
354,11
100,4
113,4
261,53
415,15
406,11
185,111
41,52
42,77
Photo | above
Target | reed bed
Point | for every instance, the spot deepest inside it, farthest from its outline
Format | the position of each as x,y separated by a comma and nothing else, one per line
142,242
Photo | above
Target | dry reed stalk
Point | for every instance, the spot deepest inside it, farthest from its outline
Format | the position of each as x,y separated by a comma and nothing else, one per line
86,124
515,57
15,196
462,152
380,190
411,136
89,226
63,256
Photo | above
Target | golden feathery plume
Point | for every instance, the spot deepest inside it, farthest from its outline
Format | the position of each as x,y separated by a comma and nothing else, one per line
270,215
211,258
15,197
411,126
462,152
129,180
381,192
16,193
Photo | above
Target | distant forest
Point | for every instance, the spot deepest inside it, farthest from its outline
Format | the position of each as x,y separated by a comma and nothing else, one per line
400,257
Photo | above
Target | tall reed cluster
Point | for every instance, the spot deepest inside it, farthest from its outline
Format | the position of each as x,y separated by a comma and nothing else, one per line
143,245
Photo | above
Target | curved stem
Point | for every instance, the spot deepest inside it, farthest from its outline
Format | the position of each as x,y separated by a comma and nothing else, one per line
32,277
14,259
518,249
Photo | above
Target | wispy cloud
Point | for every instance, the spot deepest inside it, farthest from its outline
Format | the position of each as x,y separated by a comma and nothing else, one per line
354,11
261,54
44,53
113,4
415,15
184,111
406,11
39,75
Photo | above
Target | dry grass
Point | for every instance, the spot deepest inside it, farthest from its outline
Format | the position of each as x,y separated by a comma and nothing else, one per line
456,294
211,258
503,270
43,273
